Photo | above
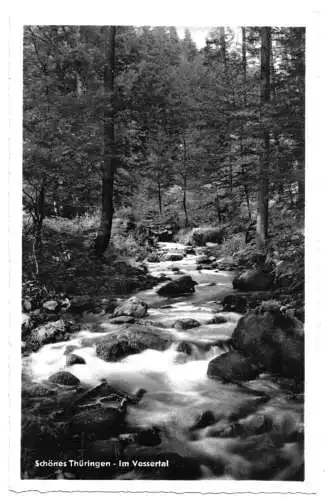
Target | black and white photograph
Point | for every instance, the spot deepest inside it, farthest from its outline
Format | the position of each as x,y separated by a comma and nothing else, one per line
163,291
163,252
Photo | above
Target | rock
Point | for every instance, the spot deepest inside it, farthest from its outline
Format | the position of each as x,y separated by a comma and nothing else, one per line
64,378
122,319
201,236
289,274
37,391
189,250
204,259
132,341
149,437
74,359
153,258
225,260
81,303
27,305
27,324
54,331
234,303
249,257
173,257
216,320
186,324
178,286
185,347
131,307
223,429
204,420
101,422
253,280
70,348
256,424
273,339
165,235
232,366
51,305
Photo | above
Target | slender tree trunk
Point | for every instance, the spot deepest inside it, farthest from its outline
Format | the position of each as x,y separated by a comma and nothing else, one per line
230,165
104,232
223,47
38,217
185,180
244,63
247,198
159,197
262,209
184,200
245,186
218,208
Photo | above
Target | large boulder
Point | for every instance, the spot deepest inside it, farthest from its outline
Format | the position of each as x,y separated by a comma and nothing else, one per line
75,359
119,320
79,304
290,274
232,366
253,280
216,320
99,422
201,236
132,307
179,286
173,257
54,331
132,340
234,303
249,257
64,378
273,339
205,259
186,324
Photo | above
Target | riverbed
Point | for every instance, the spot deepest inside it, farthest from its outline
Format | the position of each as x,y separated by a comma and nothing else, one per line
179,395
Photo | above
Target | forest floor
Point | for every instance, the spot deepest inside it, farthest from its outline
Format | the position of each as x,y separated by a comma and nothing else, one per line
69,267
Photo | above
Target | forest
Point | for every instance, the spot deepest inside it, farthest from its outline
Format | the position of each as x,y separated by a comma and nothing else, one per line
152,168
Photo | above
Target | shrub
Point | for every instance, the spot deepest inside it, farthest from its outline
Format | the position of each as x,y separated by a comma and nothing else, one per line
233,244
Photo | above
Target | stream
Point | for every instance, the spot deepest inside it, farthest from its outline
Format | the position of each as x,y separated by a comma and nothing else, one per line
179,395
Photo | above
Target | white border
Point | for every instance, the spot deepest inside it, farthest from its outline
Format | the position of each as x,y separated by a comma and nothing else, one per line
176,13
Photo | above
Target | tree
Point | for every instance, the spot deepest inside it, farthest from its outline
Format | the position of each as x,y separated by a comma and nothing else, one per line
263,194
109,161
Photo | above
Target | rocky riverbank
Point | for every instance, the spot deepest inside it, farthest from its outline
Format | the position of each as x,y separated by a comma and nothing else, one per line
170,373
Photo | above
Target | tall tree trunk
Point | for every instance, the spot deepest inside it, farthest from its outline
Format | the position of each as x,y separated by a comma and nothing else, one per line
218,208
159,197
109,160
184,200
244,62
185,179
262,209
38,217
245,186
223,47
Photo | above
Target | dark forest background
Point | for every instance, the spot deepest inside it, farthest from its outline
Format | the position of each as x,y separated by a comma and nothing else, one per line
130,131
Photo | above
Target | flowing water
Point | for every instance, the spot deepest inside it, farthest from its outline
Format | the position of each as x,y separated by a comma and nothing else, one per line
178,390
